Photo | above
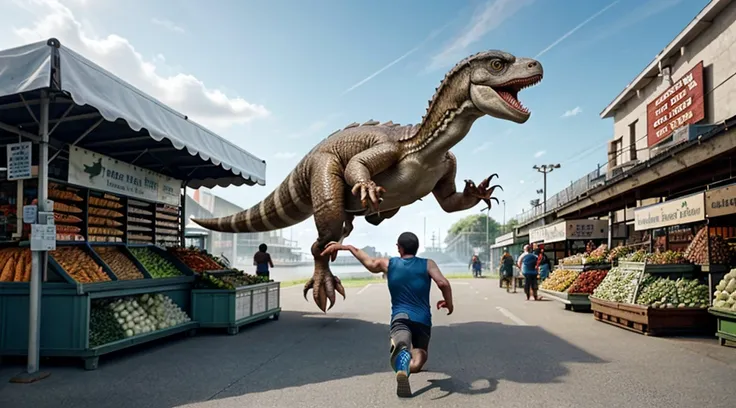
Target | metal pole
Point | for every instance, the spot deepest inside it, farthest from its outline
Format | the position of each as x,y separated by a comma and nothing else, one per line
38,258
488,221
544,208
504,215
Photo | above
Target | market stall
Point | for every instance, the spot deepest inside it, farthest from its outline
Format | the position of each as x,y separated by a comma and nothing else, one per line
93,206
573,287
570,237
514,244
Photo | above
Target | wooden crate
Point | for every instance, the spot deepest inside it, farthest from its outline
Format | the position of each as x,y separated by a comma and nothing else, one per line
653,321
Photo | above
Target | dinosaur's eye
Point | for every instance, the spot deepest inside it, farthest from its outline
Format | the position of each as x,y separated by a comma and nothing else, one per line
497,65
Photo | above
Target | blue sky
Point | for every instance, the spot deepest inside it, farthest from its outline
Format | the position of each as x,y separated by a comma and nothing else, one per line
278,76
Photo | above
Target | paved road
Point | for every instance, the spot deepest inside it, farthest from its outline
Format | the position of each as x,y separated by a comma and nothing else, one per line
496,351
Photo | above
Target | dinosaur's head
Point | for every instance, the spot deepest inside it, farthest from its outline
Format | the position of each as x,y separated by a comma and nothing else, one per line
496,77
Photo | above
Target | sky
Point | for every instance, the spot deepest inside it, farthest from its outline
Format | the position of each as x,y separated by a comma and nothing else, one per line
276,77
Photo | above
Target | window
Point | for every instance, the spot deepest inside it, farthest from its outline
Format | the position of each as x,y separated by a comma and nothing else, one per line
632,140
618,150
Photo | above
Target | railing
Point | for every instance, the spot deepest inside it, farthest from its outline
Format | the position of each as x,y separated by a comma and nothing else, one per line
576,189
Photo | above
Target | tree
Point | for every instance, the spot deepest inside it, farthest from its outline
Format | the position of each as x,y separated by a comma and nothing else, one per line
475,224
511,225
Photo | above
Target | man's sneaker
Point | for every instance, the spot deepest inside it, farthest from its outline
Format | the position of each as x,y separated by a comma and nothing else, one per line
402,368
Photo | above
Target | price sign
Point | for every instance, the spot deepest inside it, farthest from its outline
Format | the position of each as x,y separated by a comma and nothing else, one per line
19,161
43,237
29,214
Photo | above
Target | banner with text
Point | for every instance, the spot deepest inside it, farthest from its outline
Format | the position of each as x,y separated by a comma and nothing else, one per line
536,235
100,172
555,233
720,201
678,211
680,105
587,229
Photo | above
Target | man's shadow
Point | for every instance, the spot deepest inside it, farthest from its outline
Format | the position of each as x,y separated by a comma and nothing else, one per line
450,386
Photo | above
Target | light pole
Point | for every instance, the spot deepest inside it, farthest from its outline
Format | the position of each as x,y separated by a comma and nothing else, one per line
488,221
504,215
544,169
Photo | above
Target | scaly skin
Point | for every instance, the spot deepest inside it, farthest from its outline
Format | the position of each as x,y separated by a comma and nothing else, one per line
372,170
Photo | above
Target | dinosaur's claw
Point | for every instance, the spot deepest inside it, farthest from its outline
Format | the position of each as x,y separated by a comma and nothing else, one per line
494,199
324,285
369,190
482,191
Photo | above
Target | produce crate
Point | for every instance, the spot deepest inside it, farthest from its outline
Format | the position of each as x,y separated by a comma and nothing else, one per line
188,274
65,317
585,267
726,331
680,270
53,264
577,302
232,309
652,321
124,250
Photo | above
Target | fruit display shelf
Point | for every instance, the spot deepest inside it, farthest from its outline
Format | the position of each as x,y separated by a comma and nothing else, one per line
234,308
726,326
652,321
679,270
585,267
65,321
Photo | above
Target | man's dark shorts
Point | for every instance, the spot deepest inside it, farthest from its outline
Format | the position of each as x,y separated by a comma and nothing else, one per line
406,332
531,282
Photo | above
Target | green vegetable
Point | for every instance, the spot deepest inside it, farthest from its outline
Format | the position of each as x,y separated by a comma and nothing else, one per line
618,286
725,295
156,265
103,327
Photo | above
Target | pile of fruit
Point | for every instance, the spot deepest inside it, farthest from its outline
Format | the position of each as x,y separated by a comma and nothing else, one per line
120,264
618,252
197,260
15,265
598,255
725,295
157,266
79,265
229,281
135,315
576,259
586,282
618,286
667,293
657,258
559,280
697,251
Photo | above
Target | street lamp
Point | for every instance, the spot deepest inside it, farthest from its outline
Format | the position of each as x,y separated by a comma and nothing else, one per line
504,215
544,169
488,219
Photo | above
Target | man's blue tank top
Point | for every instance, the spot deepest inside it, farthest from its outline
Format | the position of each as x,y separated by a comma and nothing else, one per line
409,284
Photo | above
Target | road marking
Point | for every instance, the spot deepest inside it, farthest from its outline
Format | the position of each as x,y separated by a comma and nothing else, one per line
511,316
364,288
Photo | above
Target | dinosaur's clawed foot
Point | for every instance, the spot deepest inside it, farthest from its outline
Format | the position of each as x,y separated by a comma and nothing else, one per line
324,285
482,191
369,190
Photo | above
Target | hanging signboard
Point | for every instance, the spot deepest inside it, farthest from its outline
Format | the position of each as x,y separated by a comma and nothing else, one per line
19,161
505,237
100,172
683,210
536,235
681,104
555,233
587,229
720,201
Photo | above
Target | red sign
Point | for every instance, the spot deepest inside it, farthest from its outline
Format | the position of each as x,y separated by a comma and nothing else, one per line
680,105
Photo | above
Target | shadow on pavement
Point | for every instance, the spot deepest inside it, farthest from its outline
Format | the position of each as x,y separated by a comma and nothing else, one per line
301,349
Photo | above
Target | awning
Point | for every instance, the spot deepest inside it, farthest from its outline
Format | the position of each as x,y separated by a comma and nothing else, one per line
93,109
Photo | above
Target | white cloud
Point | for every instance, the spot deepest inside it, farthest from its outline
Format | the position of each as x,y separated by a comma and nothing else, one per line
284,155
483,146
489,17
572,112
183,92
579,26
540,154
168,24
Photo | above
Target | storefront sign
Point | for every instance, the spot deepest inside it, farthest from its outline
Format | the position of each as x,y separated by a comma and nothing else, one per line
684,210
587,229
505,237
720,201
94,170
536,235
19,161
555,233
680,105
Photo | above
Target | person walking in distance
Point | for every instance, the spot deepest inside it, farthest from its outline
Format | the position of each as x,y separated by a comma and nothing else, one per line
262,260
529,270
507,270
409,281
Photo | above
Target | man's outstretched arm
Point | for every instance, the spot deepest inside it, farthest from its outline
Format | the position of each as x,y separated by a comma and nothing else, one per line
443,284
375,265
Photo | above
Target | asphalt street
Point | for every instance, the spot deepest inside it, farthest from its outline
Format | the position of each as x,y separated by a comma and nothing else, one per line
496,350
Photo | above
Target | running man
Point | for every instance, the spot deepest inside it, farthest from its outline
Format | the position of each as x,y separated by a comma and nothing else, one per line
411,316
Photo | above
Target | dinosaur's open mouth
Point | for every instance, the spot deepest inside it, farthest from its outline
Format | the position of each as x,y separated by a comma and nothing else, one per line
510,90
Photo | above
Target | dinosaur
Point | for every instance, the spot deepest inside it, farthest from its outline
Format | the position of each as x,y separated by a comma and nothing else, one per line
373,169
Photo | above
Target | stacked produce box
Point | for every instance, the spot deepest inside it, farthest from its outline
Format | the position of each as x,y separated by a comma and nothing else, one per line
720,251
140,222
15,265
156,265
68,212
724,308
167,226
78,264
105,219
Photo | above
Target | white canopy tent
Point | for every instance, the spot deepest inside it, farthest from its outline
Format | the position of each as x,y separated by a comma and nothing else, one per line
53,96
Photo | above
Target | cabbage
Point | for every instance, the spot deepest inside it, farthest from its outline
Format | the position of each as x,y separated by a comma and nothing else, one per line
719,303
731,287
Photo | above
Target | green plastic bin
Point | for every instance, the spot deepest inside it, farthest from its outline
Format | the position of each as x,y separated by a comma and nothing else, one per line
232,309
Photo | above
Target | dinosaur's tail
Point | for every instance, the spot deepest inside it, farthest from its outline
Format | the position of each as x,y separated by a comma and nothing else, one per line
288,205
